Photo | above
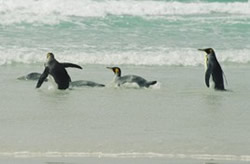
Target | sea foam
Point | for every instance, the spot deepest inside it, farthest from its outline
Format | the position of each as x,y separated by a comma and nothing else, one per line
166,57
55,11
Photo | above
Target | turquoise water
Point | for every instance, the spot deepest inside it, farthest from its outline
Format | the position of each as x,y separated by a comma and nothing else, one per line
124,32
178,119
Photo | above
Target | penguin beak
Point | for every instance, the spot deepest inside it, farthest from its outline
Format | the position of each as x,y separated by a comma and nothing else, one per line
207,50
109,68
201,50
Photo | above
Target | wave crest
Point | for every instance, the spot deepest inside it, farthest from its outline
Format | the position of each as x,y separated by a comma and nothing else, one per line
55,11
165,57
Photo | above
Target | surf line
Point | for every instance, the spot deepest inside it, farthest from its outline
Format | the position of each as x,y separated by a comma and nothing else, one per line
27,154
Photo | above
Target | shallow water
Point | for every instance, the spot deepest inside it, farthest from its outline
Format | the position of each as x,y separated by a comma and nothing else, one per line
179,116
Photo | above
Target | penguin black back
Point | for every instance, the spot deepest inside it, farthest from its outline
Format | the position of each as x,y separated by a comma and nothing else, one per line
57,71
60,75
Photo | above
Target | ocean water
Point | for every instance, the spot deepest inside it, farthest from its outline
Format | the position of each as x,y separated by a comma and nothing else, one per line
177,121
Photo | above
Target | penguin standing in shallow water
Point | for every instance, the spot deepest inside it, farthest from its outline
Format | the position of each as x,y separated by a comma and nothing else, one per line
214,69
57,71
120,80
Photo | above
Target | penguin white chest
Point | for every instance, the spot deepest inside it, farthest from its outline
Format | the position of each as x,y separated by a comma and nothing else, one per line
205,62
52,81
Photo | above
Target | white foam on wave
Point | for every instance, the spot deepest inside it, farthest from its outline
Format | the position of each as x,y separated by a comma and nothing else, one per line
164,57
27,154
19,55
54,11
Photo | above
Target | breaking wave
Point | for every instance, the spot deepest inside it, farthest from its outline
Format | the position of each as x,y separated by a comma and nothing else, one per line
168,57
55,11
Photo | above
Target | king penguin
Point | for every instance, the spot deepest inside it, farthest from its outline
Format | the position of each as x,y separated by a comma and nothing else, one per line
120,80
213,68
31,76
57,71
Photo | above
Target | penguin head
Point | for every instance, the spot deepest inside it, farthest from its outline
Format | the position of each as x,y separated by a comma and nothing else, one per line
116,70
50,56
209,51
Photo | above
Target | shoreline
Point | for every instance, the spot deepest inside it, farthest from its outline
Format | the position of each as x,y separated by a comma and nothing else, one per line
76,157
91,160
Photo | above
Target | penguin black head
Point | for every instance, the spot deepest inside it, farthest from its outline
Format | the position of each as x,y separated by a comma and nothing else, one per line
207,50
50,57
116,70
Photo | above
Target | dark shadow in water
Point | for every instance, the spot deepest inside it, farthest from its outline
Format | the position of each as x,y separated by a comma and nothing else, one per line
214,99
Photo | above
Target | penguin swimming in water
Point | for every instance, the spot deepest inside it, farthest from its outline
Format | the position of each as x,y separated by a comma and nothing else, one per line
214,69
31,76
57,71
120,80
85,83
34,76
79,83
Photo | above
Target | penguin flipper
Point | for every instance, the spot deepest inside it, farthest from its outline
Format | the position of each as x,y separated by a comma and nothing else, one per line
207,76
42,77
150,83
66,65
